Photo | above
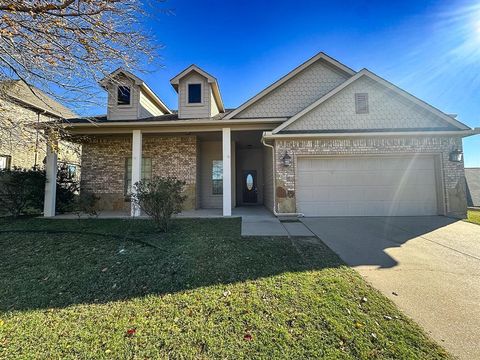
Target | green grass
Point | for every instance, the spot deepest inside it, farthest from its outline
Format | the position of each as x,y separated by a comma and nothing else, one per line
71,289
473,216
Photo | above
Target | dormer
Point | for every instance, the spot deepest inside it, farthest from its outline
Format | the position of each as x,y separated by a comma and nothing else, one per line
198,94
129,98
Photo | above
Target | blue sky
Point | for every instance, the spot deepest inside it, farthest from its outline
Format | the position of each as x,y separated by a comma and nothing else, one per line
429,48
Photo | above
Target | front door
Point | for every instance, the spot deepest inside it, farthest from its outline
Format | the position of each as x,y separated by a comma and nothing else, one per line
249,181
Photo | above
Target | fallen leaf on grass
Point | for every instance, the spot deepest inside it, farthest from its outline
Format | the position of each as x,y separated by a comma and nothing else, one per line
247,337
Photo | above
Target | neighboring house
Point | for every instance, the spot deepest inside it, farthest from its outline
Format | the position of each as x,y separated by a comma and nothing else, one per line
473,186
22,145
324,140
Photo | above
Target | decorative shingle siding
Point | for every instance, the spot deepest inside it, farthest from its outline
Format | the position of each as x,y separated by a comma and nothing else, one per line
386,110
103,165
452,173
297,93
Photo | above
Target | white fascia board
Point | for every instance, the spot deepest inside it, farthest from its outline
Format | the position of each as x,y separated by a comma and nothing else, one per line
461,133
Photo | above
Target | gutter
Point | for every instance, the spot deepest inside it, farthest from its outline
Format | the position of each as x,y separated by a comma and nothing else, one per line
462,133
274,183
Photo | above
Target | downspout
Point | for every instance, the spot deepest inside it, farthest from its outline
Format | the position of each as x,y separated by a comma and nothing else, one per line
275,184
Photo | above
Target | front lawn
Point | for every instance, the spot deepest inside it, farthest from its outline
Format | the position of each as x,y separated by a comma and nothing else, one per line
473,216
114,289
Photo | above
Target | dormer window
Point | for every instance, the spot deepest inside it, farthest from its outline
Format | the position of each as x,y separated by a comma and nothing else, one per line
194,93
123,95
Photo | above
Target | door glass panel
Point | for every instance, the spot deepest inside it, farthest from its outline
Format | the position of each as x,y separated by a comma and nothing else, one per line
249,181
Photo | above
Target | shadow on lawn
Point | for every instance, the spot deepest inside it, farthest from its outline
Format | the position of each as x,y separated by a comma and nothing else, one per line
57,263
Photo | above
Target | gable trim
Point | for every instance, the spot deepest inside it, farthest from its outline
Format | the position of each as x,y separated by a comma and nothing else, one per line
378,79
211,80
291,74
137,81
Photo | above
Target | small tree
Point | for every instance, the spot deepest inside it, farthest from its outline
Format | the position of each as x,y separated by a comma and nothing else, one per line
160,198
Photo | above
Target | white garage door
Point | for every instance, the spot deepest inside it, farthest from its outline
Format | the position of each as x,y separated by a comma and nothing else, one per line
366,186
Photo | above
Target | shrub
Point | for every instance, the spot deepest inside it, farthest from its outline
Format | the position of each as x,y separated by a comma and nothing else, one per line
67,190
21,191
86,203
160,198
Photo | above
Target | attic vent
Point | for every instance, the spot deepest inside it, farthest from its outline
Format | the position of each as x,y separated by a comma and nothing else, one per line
361,103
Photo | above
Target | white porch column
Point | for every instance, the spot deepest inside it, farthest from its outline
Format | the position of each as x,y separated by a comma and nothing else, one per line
136,167
227,172
51,178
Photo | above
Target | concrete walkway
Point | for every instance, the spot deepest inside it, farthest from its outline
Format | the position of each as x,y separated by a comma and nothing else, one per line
428,266
258,221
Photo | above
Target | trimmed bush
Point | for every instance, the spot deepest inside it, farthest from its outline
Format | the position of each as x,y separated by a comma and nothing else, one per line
160,197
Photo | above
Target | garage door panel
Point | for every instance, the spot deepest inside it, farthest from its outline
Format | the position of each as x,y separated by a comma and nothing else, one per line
373,186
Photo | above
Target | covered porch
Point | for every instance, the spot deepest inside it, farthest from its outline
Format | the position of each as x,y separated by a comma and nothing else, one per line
225,168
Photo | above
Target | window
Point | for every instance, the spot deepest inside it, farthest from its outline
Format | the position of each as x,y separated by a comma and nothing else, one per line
123,95
361,103
146,173
217,177
71,171
194,93
5,161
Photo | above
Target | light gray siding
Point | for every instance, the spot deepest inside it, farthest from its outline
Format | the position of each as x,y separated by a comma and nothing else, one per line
191,111
213,104
386,110
123,112
297,93
148,107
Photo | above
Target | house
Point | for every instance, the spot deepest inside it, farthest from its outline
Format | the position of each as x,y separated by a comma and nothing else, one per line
324,140
472,176
21,145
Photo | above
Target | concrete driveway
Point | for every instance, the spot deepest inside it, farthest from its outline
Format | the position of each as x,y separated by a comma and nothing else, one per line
429,266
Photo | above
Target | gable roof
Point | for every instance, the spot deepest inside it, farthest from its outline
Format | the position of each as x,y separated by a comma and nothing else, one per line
20,92
137,81
381,81
211,79
291,74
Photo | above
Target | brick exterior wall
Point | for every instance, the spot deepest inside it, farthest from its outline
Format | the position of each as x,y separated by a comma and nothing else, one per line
103,165
452,173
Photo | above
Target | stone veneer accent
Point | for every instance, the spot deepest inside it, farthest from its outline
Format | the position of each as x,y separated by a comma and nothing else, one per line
453,173
103,165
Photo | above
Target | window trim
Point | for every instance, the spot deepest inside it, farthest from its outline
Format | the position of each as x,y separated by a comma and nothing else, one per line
130,104
8,162
212,179
128,174
359,110
187,98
